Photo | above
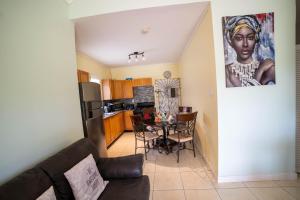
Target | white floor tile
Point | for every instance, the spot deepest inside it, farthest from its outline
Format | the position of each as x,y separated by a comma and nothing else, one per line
229,185
293,191
167,181
169,195
236,194
255,184
271,194
192,180
201,194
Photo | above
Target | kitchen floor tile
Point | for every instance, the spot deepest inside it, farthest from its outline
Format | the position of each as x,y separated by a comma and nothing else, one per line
293,191
255,184
201,194
149,166
271,194
169,195
167,181
151,179
289,183
192,180
236,194
228,185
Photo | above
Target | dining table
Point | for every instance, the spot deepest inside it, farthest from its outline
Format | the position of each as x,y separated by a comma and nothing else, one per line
163,144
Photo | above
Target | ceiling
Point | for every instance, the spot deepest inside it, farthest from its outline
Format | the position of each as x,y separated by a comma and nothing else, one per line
110,38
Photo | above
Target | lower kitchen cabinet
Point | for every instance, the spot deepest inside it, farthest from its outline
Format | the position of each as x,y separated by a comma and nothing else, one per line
127,120
114,127
107,131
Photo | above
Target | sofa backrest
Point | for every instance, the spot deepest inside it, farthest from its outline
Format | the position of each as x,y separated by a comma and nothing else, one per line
27,186
57,165
32,183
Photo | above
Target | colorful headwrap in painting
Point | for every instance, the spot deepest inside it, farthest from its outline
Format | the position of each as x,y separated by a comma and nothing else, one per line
234,24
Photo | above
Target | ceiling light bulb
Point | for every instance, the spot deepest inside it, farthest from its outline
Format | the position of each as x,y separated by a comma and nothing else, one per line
143,57
136,59
129,59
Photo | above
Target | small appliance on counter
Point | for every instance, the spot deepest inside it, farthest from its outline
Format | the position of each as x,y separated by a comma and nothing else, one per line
115,106
129,106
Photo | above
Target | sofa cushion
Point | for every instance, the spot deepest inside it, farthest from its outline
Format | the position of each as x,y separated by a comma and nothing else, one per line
85,179
121,167
127,189
27,186
48,195
57,165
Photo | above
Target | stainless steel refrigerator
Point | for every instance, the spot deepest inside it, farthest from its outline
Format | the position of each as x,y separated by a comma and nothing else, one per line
92,114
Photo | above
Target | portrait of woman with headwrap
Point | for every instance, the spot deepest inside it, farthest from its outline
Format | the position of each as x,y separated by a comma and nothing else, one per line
249,50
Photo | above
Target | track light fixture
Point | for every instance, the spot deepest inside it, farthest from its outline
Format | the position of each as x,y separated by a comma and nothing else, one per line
136,56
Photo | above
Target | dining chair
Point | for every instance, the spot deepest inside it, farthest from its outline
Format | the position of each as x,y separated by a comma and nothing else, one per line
186,109
149,114
141,133
184,131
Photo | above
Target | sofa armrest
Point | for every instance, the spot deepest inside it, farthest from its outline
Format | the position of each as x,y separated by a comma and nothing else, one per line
121,167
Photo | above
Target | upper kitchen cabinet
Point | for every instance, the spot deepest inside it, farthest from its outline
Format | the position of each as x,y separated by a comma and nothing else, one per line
122,89
107,88
142,82
83,76
117,89
127,89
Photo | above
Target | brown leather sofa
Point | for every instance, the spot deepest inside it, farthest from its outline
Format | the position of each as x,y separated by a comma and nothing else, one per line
125,175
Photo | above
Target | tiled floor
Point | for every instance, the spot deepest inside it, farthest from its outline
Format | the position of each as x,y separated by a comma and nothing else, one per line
192,180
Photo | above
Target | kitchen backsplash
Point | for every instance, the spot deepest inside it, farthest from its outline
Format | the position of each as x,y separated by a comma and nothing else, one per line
143,94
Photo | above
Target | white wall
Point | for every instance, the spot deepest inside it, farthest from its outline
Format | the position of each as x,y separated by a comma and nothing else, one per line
141,71
39,104
198,86
95,69
257,124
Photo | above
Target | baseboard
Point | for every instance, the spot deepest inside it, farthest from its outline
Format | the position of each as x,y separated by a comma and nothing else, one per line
281,176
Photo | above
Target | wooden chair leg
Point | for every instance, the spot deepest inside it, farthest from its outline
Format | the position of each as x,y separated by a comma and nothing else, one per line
135,146
178,152
145,148
194,148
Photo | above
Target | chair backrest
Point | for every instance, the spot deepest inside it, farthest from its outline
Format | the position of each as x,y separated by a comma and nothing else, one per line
149,115
137,123
188,120
187,109
149,110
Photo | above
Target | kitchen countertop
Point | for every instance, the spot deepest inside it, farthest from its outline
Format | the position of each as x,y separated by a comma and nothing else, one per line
108,115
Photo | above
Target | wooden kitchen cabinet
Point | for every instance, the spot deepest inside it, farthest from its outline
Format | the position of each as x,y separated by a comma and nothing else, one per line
127,120
117,89
119,123
83,76
142,82
113,127
107,88
127,89
107,131
122,89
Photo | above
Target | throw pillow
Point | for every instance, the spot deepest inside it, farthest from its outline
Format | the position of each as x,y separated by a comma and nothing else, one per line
48,195
85,180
